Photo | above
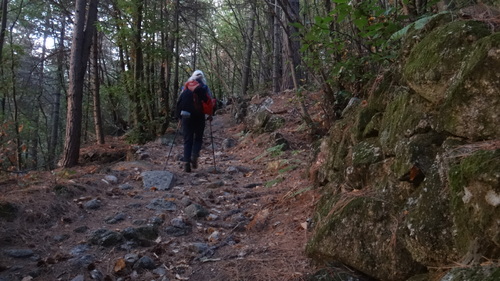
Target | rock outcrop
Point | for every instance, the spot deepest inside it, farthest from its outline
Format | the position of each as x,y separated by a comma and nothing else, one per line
411,177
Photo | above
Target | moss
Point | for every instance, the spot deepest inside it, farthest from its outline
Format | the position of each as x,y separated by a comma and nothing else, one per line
471,107
363,119
365,153
438,57
414,35
372,129
402,115
470,180
274,123
421,149
427,226
338,149
356,231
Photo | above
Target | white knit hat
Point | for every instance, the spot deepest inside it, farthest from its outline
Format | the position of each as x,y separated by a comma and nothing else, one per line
197,74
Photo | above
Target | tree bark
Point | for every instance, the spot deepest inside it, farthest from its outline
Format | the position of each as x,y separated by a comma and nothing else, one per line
138,65
96,81
56,106
177,52
276,49
165,74
80,51
3,27
248,52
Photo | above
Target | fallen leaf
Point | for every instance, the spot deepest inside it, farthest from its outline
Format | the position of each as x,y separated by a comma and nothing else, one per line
120,265
304,225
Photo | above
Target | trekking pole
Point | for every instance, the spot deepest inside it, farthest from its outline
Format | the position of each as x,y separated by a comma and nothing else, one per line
173,141
213,148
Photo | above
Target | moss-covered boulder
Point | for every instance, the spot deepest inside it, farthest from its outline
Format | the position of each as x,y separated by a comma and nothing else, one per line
274,123
428,223
475,187
402,115
336,149
438,57
359,232
472,107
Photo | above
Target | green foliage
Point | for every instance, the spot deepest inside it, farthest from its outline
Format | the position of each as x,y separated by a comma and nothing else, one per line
66,173
287,169
276,150
417,25
139,135
274,182
350,44
300,191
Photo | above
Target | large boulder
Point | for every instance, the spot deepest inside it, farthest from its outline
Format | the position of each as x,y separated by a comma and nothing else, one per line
475,198
438,57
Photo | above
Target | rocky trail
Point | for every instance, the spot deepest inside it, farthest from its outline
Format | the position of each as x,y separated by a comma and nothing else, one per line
141,218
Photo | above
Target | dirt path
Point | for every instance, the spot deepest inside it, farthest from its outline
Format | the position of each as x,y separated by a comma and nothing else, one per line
248,221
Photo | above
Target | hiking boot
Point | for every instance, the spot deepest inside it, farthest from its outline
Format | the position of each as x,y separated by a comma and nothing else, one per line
194,162
187,167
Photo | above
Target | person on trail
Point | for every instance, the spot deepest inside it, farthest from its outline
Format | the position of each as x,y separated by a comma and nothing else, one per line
193,107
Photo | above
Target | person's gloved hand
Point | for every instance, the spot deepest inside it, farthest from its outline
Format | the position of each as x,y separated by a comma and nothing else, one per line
209,118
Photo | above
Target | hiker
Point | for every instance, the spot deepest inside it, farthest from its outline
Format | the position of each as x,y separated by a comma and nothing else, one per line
194,106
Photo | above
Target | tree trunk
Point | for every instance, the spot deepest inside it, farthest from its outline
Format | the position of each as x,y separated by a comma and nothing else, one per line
96,81
248,52
56,106
3,27
165,74
15,107
195,43
36,113
177,52
295,42
138,66
276,49
80,51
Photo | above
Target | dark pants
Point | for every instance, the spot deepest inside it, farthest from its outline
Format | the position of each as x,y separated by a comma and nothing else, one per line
192,129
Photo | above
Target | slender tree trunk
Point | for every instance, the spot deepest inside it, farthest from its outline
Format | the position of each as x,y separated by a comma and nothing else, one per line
295,42
34,136
3,27
276,49
138,67
15,108
195,43
177,51
164,73
248,52
80,51
56,106
96,81
268,50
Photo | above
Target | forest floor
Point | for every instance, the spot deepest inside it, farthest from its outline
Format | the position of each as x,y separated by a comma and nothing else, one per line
258,205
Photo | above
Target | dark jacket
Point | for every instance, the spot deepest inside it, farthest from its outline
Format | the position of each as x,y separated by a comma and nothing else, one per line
186,101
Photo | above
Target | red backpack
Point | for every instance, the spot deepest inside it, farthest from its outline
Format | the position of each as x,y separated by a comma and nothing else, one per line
205,107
